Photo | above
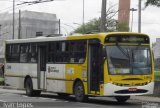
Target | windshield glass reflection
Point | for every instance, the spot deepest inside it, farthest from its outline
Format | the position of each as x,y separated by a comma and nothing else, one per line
129,59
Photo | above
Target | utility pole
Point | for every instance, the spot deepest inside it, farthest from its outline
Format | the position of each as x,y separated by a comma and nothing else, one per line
19,28
103,16
139,17
83,19
132,9
0,32
13,16
59,23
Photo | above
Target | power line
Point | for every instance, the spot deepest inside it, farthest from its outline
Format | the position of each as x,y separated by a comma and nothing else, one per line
35,2
25,2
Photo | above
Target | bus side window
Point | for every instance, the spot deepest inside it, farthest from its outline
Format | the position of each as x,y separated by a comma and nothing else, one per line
78,51
51,52
23,53
32,55
8,52
14,53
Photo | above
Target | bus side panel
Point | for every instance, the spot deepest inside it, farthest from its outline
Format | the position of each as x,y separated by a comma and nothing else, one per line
31,70
73,72
56,77
15,74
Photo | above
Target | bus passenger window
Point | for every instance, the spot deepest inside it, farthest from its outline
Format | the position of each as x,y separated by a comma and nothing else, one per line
78,51
23,53
32,55
51,52
15,53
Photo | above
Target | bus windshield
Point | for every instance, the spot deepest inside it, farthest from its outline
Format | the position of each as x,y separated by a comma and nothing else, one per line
134,60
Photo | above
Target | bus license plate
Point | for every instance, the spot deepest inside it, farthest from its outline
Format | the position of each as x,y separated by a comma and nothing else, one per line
132,89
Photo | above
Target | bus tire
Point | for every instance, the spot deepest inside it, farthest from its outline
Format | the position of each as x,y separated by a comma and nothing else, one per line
122,99
79,92
29,87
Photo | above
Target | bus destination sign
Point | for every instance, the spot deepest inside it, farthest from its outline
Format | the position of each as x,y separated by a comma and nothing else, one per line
127,39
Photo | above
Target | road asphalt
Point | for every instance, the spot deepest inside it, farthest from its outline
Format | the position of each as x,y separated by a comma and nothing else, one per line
147,98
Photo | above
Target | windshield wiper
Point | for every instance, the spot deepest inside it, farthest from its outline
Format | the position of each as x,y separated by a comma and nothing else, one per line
123,51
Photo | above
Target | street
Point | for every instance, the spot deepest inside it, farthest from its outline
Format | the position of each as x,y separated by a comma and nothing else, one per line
18,99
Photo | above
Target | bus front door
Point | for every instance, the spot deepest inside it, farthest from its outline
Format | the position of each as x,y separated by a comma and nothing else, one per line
95,68
41,73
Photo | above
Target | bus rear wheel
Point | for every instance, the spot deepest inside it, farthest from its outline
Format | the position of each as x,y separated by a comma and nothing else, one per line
122,99
79,92
29,87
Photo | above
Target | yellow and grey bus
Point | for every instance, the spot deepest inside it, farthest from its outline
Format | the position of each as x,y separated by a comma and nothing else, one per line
118,64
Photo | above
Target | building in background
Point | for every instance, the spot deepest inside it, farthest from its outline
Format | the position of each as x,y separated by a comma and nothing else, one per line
156,52
28,25
124,11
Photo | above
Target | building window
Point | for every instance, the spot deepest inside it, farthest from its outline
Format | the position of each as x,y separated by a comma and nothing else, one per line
39,34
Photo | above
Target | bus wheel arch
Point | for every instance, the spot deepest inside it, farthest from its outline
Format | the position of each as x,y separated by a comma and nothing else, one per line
79,90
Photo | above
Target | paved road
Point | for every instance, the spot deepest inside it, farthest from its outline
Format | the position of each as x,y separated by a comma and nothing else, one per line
18,99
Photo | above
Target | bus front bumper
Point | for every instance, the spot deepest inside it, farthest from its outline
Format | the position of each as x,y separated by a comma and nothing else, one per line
115,90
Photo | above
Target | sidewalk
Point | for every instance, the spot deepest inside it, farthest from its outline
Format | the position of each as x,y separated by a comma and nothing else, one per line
7,87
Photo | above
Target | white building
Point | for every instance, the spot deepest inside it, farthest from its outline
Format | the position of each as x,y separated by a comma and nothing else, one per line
156,49
156,52
28,25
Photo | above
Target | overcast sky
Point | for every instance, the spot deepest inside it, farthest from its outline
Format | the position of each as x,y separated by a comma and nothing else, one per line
70,12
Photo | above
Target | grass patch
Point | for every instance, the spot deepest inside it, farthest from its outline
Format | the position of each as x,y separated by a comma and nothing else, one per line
157,73
1,81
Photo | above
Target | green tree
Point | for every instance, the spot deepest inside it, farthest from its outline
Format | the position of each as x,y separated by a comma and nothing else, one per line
123,27
94,26
111,24
153,3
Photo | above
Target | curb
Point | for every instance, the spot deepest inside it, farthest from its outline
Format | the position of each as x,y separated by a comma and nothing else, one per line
8,87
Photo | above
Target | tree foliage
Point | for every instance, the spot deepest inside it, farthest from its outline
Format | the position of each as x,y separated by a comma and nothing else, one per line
123,27
111,24
93,25
153,3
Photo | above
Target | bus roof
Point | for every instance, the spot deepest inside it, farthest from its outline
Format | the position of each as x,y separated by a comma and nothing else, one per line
100,36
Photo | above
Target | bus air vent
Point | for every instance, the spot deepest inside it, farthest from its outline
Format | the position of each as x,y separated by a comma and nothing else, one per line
128,92
132,79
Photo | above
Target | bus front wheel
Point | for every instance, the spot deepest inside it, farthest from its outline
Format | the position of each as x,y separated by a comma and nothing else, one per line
79,92
122,99
29,87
